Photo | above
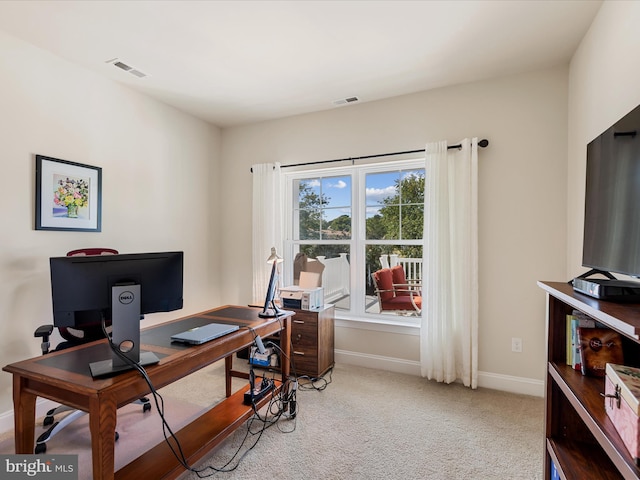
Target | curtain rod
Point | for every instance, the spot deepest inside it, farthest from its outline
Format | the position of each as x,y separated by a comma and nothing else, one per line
482,143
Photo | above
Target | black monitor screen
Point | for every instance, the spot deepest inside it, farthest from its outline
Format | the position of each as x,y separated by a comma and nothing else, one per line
271,289
81,286
270,308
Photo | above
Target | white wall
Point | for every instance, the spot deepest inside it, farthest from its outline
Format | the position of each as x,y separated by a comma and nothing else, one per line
159,183
604,85
521,213
163,163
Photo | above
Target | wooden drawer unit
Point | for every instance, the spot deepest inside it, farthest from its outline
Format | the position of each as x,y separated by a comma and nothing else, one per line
312,341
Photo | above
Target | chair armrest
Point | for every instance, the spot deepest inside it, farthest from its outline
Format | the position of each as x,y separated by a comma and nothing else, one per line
43,331
410,291
413,290
407,286
385,290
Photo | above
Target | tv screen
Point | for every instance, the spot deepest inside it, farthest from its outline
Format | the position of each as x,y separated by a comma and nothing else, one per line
612,201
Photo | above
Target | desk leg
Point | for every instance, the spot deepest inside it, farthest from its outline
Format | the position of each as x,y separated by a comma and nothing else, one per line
102,424
228,366
285,345
24,406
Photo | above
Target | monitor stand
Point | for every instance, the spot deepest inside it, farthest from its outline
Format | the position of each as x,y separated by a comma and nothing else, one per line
125,334
272,312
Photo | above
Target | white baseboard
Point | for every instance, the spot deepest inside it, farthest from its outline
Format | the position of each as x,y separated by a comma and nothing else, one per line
42,407
506,383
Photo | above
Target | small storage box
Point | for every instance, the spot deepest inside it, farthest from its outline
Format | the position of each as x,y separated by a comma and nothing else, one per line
622,393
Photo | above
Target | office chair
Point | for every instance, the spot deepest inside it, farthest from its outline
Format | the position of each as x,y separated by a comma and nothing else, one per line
71,338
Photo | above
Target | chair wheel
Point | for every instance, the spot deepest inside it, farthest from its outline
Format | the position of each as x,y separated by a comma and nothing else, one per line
146,407
48,420
117,436
40,448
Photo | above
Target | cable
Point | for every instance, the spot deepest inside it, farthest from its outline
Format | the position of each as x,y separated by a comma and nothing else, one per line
169,434
312,383
316,383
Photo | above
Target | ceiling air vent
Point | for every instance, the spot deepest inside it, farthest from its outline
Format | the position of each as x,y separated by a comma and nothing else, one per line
345,101
123,66
137,73
116,62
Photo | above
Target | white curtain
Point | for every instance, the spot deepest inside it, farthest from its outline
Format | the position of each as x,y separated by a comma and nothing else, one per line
268,207
449,329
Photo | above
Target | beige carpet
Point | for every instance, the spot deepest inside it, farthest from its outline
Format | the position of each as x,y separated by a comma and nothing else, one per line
368,424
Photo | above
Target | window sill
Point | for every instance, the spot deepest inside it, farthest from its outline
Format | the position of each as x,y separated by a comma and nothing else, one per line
379,325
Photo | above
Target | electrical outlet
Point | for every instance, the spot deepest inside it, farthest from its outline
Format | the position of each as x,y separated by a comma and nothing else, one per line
516,345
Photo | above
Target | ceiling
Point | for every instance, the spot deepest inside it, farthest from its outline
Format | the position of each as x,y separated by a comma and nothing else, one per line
238,62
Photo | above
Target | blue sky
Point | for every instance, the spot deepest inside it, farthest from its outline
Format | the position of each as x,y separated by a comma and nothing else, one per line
338,191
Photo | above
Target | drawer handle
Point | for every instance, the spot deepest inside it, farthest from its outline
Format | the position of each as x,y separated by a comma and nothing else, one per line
298,353
298,321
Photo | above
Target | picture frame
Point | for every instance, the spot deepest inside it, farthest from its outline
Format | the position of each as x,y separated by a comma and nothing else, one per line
68,195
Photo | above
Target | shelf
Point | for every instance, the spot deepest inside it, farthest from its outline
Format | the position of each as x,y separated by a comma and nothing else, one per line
584,393
622,317
578,461
196,439
581,440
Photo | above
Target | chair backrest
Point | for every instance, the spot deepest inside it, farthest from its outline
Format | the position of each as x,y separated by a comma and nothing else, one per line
384,281
93,331
399,278
92,251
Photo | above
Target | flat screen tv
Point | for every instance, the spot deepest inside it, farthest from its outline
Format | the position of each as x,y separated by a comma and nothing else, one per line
611,242
117,290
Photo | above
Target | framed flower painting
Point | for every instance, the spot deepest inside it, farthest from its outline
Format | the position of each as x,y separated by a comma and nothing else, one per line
68,195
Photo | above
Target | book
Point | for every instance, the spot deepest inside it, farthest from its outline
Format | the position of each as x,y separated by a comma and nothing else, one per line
599,346
569,346
628,379
578,319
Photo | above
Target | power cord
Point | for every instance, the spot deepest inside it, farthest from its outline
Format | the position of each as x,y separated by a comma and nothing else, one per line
169,435
316,383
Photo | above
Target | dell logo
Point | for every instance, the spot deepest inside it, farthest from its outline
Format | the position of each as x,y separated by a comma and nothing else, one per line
126,298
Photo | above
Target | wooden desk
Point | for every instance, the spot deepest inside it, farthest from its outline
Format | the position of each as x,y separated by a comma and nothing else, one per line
64,377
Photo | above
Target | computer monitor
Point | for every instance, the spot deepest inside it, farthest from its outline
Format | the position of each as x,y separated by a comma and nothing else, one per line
270,308
118,289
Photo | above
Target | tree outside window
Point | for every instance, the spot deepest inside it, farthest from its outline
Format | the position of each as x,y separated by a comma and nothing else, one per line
389,208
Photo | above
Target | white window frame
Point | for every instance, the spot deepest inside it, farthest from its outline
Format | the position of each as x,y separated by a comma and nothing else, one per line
357,243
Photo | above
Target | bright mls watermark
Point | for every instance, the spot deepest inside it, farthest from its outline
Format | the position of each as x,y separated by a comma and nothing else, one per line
50,467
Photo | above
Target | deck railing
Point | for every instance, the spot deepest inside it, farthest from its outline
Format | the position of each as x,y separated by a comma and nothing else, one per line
335,277
412,266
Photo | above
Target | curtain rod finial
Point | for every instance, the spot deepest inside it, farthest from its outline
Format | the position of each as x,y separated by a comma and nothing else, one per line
483,143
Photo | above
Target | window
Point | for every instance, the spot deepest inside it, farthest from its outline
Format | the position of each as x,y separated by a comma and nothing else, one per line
355,220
